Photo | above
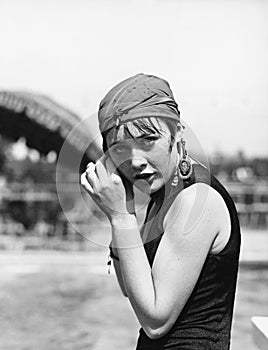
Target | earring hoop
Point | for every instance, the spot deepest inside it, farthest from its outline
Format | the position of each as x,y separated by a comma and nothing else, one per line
185,167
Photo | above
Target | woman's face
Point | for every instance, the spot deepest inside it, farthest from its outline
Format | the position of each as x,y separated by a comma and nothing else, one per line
145,159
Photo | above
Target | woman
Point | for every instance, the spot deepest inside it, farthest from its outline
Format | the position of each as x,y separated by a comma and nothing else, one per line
180,270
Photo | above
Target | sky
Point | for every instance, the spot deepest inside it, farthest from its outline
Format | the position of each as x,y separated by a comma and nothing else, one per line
214,54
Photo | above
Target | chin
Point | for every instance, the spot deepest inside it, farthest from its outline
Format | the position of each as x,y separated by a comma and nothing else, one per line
156,186
149,188
145,188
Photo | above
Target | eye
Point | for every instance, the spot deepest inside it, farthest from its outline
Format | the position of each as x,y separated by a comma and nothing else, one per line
148,140
120,149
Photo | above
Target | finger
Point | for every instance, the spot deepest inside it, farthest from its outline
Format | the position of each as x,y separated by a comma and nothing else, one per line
103,158
91,176
86,184
110,166
101,171
90,164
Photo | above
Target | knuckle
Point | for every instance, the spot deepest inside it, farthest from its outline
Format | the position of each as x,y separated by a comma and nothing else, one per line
105,188
116,179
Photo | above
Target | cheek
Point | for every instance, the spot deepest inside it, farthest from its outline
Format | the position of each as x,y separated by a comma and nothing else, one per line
123,166
121,163
162,153
118,159
124,170
165,145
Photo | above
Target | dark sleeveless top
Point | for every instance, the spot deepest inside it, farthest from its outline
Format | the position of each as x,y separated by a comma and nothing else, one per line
206,319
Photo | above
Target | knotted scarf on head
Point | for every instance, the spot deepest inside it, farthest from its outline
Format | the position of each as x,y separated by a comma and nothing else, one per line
137,97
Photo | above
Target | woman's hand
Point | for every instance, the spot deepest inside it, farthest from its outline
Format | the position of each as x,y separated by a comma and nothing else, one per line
113,194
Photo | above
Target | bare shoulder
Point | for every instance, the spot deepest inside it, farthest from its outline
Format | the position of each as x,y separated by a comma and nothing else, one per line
201,209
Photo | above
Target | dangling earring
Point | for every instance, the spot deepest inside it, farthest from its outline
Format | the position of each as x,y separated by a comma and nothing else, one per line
185,166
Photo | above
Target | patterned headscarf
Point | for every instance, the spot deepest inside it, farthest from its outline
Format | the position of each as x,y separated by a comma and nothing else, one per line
137,97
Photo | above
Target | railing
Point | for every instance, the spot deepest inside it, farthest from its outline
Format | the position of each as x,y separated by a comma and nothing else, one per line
251,202
251,199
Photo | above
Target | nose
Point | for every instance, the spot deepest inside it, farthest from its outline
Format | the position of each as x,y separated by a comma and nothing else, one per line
138,160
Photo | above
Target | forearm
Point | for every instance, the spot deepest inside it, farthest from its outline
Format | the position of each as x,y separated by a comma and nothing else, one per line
135,269
106,188
116,264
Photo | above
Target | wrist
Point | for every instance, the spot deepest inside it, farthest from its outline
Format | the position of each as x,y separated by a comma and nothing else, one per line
112,254
124,221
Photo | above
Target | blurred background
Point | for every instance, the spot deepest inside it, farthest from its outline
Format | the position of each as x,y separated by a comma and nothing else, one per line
58,59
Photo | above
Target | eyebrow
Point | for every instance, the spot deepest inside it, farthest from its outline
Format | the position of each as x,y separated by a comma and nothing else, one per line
114,143
122,141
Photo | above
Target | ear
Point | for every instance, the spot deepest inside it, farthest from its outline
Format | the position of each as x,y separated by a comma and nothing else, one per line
179,133
179,138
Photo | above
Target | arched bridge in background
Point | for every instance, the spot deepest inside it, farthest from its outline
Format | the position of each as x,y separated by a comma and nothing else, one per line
45,125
